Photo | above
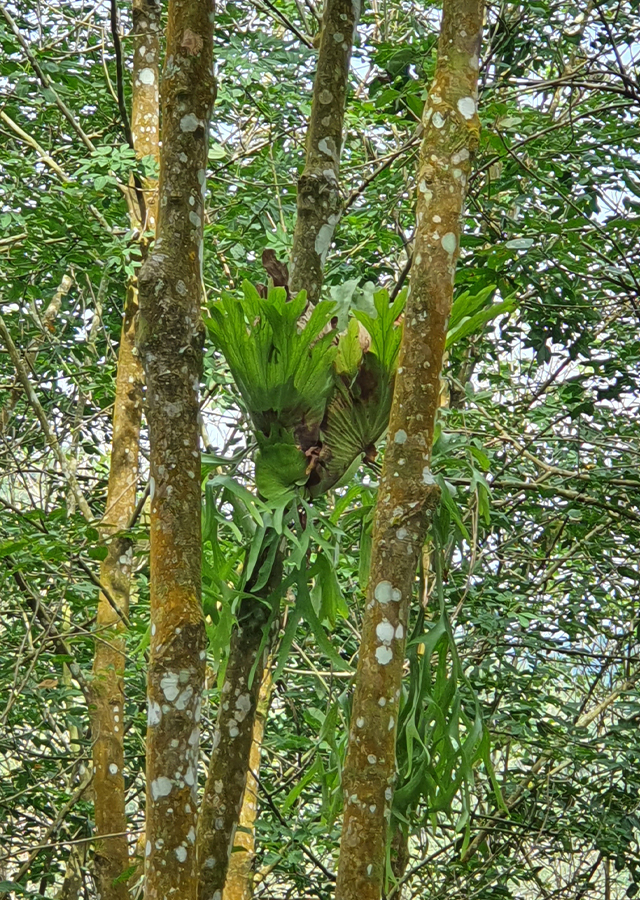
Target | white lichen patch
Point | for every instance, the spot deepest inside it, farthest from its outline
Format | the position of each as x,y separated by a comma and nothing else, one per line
438,120
427,477
169,684
189,123
467,107
385,631
400,436
402,534
243,707
399,632
325,96
161,787
392,722
174,409
184,698
360,722
382,701
328,146
154,713
113,769
384,655
324,237
181,853
460,156
195,219
338,36
148,848
383,592
449,242
146,76
372,760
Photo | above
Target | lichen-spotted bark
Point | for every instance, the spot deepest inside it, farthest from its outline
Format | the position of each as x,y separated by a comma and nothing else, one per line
319,200
407,493
233,737
319,207
145,106
170,337
240,876
111,856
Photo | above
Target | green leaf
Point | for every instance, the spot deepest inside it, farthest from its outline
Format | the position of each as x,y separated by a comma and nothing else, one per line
349,353
250,502
476,322
280,468
216,151
326,595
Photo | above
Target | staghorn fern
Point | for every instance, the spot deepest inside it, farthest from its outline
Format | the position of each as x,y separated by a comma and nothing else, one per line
358,412
319,403
284,375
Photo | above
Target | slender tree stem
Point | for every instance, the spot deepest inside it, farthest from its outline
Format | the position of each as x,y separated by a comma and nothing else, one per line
170,339
111,857
407,492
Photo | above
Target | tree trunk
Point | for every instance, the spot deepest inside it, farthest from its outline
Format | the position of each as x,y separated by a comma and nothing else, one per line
407,492
239,883
319,200
170,338
111,857
318,211
233,738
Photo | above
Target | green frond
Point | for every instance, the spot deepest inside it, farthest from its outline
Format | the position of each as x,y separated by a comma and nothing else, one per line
284,375
385,334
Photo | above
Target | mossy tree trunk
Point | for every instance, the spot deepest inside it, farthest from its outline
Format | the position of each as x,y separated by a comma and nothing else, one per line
233,738
170,338
111,857
319,199
407,492
240,877
318,211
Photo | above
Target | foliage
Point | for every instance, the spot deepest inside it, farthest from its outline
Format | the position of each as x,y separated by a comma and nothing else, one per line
536,452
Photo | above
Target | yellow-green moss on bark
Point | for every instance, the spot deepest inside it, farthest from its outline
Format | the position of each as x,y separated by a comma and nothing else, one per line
407,493
319,199
111,857
170,337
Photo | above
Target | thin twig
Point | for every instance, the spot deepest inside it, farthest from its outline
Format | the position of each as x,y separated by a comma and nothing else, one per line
117,46
46,81
50,435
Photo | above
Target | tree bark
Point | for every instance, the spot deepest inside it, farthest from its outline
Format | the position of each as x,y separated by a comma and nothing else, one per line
111,856
319,199
239,884
233,738
407,492
319,208
170,339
